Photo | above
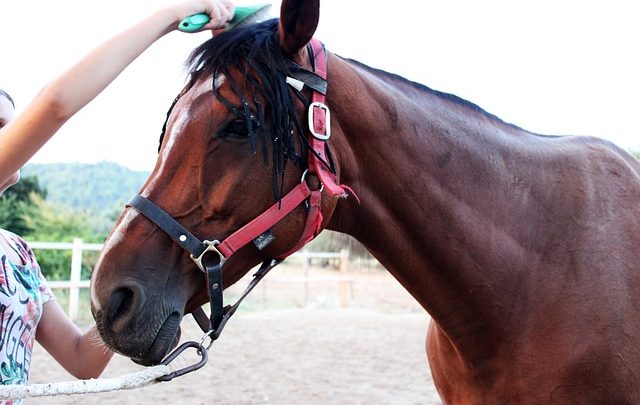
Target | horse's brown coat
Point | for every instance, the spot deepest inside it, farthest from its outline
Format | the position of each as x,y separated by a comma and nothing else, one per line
525,249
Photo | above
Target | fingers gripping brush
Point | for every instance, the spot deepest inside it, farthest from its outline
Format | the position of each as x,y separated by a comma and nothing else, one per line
241,16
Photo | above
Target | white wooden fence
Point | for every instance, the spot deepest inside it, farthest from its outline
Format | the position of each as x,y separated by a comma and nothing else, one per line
77,247
75,283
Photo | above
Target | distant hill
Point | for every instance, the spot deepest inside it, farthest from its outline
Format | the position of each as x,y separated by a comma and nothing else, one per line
101,189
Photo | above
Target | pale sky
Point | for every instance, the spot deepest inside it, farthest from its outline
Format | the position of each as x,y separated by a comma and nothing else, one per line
552,67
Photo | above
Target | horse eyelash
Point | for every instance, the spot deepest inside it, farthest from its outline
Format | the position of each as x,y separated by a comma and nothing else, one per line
235,127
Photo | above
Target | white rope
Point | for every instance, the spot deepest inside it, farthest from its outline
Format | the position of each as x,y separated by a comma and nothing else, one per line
126,382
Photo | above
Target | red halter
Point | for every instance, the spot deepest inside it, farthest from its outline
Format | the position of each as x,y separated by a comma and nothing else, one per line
320,132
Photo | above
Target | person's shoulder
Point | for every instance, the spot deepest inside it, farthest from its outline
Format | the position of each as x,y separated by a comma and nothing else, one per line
15,238
21,246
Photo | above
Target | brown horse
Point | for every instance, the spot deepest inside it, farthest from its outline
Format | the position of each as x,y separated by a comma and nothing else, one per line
524,249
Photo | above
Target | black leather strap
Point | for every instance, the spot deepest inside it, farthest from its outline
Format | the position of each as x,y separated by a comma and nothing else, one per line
205,323
164,221
214,283
201,319
231,309
309,79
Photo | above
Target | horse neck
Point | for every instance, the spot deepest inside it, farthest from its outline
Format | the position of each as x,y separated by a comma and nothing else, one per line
424,169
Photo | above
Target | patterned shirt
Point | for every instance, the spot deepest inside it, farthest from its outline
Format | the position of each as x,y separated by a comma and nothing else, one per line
23,291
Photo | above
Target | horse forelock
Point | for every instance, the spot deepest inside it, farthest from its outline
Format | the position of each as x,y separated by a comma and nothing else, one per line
255,52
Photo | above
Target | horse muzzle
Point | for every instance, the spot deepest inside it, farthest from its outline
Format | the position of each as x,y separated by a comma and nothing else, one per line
137,326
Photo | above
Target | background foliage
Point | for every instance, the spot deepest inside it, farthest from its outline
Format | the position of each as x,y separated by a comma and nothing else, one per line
56,223
99,190
13,202
60,202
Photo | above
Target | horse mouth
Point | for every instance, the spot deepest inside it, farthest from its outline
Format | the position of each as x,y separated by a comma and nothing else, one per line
166,339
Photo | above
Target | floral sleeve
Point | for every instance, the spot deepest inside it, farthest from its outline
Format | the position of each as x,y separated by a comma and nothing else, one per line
29,259
45,290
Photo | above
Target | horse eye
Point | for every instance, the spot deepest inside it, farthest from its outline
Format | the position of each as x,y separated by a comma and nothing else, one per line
235,130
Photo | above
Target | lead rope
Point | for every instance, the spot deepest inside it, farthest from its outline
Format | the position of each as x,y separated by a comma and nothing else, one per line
92,386
215,326
149,376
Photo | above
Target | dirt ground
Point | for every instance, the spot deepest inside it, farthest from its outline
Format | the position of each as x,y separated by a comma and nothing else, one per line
286,357
275,352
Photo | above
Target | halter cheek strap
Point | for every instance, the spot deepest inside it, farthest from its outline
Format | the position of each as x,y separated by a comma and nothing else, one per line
319,118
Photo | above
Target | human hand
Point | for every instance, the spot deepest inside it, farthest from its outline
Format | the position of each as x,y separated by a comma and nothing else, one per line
220,12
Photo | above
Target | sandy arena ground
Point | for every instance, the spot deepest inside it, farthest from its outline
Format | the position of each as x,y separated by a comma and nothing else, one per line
299,356
290,343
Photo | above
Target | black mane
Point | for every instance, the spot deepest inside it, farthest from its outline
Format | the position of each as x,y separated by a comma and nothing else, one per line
255,51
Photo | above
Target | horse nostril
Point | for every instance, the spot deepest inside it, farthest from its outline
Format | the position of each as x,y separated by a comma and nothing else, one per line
120,303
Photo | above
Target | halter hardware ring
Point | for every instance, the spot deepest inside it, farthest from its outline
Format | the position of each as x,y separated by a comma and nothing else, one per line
212,246
304,177
200,350
205,336
312,127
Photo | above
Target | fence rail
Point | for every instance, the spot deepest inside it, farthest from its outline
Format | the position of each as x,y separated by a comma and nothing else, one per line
77,247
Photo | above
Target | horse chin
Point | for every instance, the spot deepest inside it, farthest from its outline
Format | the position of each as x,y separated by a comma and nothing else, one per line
166,339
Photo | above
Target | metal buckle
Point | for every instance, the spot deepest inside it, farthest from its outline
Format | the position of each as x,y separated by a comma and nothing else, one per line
211,247
327,125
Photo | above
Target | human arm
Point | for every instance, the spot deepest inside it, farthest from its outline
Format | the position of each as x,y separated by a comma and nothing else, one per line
84,355
66,95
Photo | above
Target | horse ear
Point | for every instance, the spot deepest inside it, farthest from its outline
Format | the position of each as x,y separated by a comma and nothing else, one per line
298,22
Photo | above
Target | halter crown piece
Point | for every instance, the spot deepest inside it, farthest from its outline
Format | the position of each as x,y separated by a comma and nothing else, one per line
210,256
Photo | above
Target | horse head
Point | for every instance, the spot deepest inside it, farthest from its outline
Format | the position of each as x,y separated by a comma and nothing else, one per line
234,145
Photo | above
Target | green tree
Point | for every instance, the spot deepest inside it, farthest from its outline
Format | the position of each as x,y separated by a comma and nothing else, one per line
98,189
51,223
636,153
13,202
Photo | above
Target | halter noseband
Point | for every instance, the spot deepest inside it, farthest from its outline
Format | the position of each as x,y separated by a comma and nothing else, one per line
258,230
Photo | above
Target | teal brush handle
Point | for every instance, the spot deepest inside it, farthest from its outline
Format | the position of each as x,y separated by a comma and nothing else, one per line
194,22
197,21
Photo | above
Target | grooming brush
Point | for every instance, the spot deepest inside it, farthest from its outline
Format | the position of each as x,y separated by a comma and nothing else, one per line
241,16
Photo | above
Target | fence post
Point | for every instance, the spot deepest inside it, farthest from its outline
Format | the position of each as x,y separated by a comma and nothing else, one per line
305,271
76,270
344,287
